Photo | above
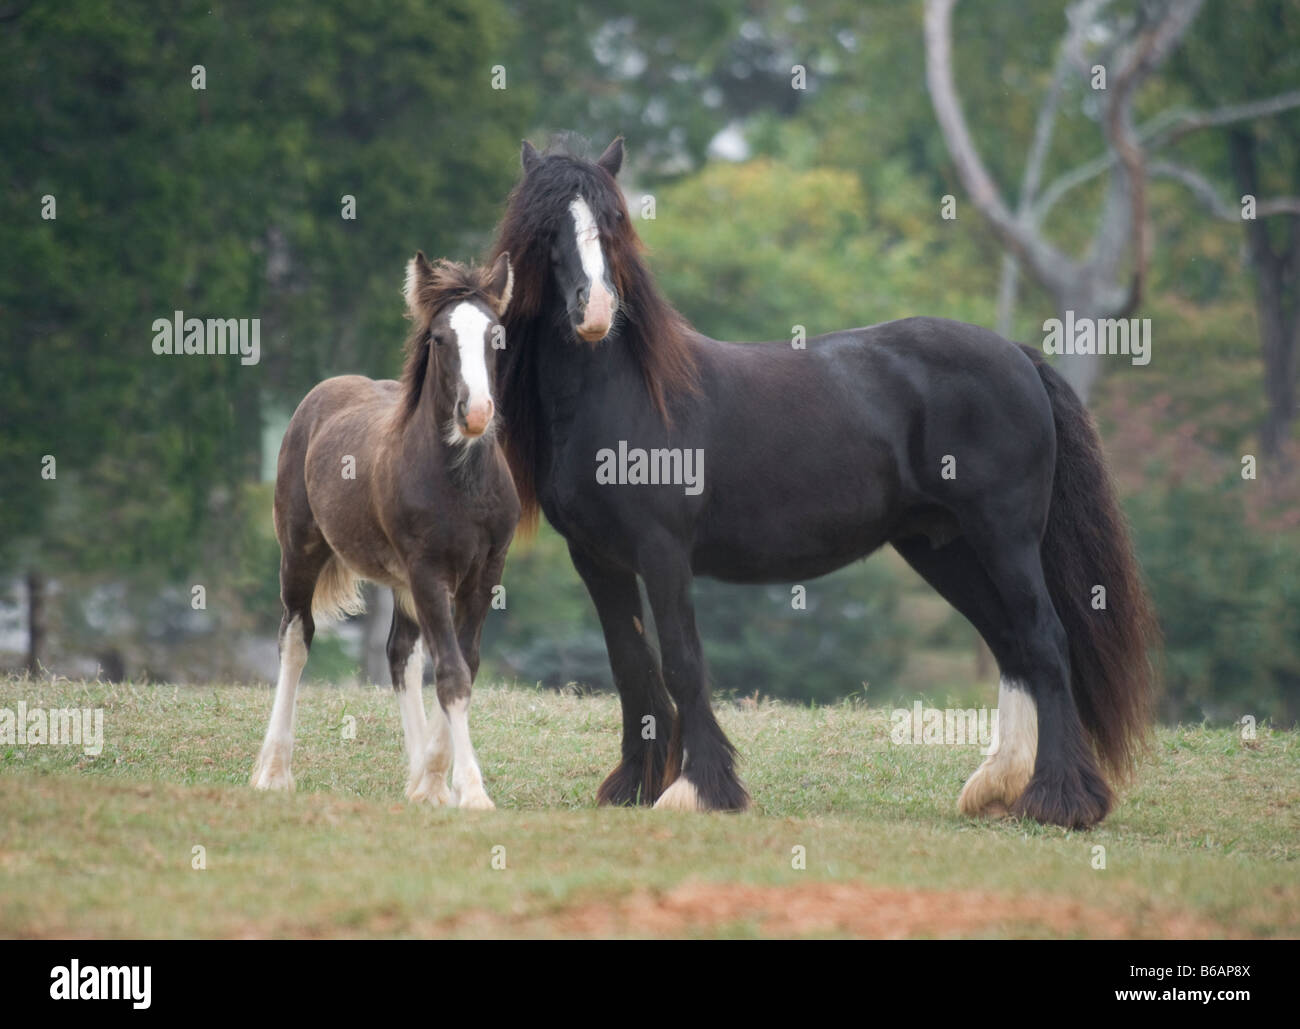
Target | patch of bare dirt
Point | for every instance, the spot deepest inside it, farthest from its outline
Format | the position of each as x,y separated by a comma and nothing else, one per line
838,909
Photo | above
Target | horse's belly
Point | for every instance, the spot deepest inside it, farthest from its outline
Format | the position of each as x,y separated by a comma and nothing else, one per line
375,562
767,552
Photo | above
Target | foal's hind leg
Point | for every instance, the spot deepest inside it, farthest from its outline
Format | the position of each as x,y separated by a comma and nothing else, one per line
428,754
298,574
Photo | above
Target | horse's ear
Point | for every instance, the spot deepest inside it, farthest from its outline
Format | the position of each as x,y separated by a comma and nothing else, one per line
501,283
418,273
612,159
529,158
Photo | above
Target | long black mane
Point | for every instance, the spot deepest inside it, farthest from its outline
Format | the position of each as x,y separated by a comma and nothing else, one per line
647,327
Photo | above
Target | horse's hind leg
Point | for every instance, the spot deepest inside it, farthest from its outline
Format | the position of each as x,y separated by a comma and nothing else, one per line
1040,764
299,571
429,754
957,575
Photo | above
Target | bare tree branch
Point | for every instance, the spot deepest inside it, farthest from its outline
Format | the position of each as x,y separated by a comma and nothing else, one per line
1160,131
1150,49
1050,265
1206,192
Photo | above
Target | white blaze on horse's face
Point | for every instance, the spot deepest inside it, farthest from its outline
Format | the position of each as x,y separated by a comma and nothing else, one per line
470,324
598,315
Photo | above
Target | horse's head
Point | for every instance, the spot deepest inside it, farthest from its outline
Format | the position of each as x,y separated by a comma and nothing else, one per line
579,227
456,311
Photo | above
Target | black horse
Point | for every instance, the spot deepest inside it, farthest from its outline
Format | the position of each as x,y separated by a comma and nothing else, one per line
964,451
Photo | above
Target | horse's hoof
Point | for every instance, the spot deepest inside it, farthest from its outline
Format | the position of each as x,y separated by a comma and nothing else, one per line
680,796
992,790
1075,799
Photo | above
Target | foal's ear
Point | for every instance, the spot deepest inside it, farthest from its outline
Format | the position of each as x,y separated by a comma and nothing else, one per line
501,283
418,273
612,159
529,158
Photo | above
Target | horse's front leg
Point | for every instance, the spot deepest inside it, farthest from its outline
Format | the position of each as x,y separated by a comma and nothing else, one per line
708,779
452,675
647,712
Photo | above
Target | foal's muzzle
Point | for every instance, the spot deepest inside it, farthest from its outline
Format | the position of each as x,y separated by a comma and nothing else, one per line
474,419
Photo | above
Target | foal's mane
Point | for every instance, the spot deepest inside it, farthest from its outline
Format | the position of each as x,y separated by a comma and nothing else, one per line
450,283
647,327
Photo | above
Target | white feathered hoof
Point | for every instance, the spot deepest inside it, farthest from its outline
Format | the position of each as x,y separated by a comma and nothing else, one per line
993,790
680,796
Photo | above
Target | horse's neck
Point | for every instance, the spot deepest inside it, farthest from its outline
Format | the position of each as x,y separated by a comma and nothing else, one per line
572,375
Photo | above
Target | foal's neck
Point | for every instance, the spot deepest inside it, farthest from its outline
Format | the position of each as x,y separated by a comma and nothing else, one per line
464,463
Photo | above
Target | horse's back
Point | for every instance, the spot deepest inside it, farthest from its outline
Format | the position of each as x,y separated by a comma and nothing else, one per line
338,419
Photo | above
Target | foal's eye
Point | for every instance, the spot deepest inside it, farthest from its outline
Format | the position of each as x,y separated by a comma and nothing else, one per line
438,338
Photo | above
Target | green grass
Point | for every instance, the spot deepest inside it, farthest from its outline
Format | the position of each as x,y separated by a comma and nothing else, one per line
1204,845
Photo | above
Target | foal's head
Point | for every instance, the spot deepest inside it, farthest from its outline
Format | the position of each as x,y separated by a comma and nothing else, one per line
455,310
569,217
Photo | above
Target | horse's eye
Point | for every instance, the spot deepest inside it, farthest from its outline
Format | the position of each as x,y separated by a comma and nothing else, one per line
618,216
438,338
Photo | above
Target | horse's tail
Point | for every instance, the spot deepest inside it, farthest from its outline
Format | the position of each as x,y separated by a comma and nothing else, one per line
1114,638
337,593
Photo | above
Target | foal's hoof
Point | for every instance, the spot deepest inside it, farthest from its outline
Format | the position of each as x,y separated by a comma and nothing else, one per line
476,800
430,789
271,771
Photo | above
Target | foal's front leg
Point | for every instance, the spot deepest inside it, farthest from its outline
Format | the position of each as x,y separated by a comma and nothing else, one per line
428,747
451,673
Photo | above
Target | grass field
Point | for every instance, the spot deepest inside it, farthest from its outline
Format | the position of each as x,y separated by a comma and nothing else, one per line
1205,845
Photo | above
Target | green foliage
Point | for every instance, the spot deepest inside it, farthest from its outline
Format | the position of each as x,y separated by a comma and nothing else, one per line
226,202
812,249
849,632
1228,595
220,202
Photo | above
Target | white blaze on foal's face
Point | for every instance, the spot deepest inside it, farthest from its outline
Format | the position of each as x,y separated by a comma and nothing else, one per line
470,324
599,313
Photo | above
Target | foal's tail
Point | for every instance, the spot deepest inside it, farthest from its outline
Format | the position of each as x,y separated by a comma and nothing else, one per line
337,593
1114,647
